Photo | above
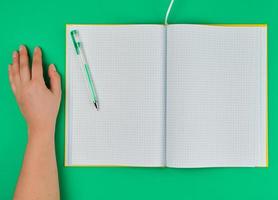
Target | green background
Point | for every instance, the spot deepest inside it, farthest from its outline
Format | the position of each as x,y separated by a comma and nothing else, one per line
43,23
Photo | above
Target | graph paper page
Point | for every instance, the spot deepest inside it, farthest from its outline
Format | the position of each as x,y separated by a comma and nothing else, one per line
128,67
216,96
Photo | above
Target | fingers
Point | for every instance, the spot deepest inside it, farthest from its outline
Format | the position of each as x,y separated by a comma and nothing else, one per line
15,64
37,70
11,78
24,64
55,81
14,75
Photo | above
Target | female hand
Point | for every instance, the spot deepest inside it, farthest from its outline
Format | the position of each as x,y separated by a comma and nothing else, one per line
38,104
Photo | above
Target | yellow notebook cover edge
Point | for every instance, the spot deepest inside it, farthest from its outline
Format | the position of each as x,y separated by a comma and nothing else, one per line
267,98
66,99
239,25
227,25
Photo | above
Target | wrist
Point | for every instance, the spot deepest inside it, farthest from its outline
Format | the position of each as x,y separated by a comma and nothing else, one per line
41,133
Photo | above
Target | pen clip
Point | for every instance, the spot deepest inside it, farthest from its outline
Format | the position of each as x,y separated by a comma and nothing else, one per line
76,42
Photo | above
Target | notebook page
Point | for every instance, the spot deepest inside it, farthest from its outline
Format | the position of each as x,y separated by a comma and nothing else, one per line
128,67
216,96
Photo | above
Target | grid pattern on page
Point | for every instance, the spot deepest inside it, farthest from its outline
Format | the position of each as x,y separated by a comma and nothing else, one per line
128,67
216,96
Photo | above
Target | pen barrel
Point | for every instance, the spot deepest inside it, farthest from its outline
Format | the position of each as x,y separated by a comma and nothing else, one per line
90,83
89,80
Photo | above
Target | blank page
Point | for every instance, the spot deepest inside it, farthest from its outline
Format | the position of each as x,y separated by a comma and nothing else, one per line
216,96
128,67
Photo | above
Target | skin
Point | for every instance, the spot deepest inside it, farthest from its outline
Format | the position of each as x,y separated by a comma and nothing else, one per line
39,105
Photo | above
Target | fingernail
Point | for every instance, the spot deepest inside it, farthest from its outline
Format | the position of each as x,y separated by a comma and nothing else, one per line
14,54
21,47
37,48
10,67
53,67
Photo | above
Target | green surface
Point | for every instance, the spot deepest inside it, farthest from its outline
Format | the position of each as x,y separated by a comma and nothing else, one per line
43,23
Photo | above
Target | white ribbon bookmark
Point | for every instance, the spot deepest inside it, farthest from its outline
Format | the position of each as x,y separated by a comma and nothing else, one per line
168,11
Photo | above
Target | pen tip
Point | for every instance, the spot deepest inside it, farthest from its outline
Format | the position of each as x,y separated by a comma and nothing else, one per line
96,105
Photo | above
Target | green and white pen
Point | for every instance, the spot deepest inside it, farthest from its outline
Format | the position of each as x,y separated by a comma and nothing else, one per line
85,66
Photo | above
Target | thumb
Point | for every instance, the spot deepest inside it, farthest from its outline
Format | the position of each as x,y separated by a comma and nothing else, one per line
55,80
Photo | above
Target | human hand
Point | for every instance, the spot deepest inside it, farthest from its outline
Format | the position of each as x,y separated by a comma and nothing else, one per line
38,104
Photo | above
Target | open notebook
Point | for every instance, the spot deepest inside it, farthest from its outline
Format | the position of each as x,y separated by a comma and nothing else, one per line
175,96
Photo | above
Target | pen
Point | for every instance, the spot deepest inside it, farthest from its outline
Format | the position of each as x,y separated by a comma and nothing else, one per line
85,66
